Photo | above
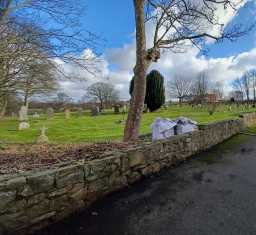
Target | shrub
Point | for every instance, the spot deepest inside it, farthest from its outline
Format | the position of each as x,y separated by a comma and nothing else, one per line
155,91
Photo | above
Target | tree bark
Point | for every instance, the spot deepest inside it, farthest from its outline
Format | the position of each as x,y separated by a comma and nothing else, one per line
131,132
3,109
26,99
254,94
180,101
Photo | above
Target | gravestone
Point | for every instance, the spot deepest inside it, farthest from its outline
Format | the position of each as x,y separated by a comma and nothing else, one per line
94,110
42,139
80,112
50,112
23,113
124,108
23,126
36,115
13,115
67,113
116,109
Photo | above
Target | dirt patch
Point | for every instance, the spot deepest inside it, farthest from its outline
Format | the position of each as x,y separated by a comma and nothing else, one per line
20,158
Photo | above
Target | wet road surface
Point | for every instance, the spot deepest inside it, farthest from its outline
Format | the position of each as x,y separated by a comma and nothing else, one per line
213,193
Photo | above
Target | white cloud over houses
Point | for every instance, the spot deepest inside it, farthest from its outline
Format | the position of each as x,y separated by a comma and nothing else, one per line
188,64
117,64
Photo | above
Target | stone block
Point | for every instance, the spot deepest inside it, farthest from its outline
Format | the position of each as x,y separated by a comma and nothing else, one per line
35,199
13,221
41,181
147,170
136,158
78,192
39,209
61,203
101,168
69,175
43,217
17,183
156,167
124,164
6,198
133,177
98,185
60,191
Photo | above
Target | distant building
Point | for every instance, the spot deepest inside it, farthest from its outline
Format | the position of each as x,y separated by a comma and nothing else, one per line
211,98
207,98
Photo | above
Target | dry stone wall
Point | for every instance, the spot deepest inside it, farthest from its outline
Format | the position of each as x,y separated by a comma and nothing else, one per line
36,199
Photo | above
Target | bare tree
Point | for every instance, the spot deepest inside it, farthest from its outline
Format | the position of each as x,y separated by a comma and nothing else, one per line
200,87
27,36
217,89
24,64
237,84
243,84
177,23
179,87
63,98
102,92
38,79
252,74
236,95
66,37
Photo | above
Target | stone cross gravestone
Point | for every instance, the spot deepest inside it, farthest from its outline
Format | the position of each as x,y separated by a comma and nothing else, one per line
23,113
67,113
50,112
42,139
36,115
80,112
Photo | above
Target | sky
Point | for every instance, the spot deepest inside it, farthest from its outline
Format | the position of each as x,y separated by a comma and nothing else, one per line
114,22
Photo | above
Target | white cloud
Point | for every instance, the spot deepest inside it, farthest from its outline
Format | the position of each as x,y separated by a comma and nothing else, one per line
117,64
187,64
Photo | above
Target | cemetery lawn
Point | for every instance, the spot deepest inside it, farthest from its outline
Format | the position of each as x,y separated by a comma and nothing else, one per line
105,127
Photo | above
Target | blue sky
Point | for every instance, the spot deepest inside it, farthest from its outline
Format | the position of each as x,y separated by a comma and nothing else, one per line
227,48
114,21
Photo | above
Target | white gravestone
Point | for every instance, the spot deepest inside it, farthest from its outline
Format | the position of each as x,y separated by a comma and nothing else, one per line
36,115
67,113
43,138
50,112
23,113
23,125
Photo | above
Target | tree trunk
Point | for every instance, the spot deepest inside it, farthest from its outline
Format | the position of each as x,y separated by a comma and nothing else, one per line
248,98
25,100
131,132
3,109
180,101
101,105
254,94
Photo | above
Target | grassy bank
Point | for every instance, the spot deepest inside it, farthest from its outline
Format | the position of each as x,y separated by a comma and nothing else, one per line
107,126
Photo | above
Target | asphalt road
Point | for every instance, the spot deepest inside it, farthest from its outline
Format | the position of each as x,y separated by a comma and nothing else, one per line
213,193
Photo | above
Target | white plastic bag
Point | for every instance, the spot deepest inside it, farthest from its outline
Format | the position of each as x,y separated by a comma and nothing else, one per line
162,128
165,128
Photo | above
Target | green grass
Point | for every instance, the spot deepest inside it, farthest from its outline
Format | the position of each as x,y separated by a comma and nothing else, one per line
103,127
